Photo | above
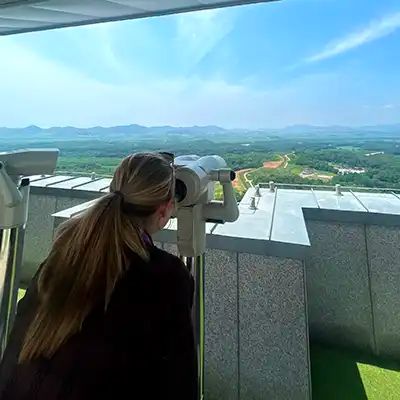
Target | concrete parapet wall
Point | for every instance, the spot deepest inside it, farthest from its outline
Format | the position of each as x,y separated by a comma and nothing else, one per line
339,303
383,245
353,281
40,226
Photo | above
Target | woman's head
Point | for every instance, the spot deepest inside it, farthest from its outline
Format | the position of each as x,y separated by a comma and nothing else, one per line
92,251
144,187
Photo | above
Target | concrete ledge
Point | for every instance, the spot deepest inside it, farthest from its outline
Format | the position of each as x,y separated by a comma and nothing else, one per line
256,246
225,236
366,218
57,192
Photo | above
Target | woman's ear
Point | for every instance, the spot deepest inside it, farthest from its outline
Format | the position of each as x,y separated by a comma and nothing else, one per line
165,212
162,210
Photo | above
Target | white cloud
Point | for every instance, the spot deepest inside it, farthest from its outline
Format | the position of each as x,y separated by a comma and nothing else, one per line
375,30
97,43
199,32
387,108
102,36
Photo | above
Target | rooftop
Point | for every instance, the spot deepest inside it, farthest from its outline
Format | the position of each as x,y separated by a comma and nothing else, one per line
17,16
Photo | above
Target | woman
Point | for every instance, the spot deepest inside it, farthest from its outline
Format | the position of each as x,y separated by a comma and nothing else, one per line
108,315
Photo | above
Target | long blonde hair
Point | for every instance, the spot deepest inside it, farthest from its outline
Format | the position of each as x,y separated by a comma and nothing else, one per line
90,252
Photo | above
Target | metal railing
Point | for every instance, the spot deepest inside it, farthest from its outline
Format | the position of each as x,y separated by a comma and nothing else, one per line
332,188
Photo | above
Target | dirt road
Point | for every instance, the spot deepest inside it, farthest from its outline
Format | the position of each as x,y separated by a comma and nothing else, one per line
267,164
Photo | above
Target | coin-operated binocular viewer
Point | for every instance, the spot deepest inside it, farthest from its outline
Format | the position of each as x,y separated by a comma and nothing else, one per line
196,178
14,198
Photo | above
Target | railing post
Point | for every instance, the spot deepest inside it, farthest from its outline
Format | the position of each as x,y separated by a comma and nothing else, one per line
272,186
252,205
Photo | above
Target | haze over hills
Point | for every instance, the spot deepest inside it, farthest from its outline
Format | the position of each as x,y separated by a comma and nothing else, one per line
312,153
144,132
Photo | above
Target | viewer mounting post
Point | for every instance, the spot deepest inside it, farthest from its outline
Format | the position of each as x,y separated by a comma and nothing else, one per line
196,178
14,198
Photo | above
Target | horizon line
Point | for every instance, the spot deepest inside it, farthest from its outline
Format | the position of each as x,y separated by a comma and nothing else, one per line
207,126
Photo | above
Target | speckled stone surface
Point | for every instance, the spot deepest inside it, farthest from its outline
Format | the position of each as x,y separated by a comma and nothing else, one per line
384,257
221,319
39,230
39,234
171,248
159,245
274,355
339,302
67,202
221,326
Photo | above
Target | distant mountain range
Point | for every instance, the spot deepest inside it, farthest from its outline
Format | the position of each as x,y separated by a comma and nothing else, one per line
144,132
132,129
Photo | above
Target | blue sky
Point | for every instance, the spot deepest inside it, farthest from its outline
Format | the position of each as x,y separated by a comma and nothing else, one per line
320,62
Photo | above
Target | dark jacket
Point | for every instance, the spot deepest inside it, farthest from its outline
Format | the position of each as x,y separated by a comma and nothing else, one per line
141,348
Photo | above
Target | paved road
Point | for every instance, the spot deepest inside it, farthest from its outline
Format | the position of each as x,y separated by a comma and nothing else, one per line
247,179
287,159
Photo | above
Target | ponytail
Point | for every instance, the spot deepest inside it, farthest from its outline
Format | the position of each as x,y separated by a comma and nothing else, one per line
88,257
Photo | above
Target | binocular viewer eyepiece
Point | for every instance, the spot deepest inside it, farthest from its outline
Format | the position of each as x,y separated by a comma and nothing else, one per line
195,192
14,192
29,162
196,177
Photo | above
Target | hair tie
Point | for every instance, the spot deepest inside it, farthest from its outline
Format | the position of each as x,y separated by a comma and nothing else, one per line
119,194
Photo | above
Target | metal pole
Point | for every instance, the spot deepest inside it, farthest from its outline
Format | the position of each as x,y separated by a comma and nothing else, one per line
14,199
196,267
11,247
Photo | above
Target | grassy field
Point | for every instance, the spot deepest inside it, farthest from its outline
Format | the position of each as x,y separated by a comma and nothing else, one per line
266,174
242,184
21,294
87,164
340,375
294,169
